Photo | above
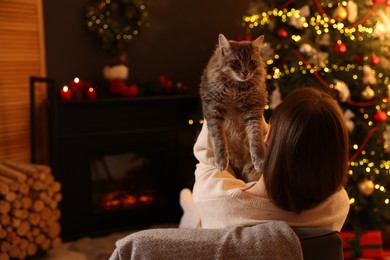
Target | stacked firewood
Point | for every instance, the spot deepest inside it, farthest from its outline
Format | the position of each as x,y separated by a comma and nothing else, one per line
29,213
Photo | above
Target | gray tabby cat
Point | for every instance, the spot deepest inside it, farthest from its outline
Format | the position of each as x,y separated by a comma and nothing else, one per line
233,94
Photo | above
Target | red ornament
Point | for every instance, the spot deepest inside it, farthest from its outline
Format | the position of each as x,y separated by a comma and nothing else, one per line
166,82
133,90
380,117
358,58
239,37
339,47
375,59
282,33
249,37
118,87
246,37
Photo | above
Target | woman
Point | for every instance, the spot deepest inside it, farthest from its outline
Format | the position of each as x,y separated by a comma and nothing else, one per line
305,170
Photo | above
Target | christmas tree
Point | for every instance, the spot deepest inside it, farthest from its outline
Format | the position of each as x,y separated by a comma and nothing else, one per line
341,47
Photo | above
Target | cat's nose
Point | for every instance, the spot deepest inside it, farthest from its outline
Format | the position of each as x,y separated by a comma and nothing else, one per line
244,73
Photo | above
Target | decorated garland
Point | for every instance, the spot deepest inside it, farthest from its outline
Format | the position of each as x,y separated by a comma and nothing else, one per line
116,22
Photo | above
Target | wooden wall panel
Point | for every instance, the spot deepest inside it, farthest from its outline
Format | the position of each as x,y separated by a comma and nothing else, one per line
22,54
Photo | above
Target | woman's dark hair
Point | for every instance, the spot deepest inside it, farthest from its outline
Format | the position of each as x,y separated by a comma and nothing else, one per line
307,155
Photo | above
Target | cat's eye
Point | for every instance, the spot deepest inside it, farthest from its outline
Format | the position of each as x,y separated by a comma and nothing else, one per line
235,62
252,62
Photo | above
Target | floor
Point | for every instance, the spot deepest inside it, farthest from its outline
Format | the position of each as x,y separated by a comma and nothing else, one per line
84,249
61,253
88,248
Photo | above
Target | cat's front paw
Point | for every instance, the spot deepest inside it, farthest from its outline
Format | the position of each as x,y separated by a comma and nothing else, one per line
257,157
258,163
222,161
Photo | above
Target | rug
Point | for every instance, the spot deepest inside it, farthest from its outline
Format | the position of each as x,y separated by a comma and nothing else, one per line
101,248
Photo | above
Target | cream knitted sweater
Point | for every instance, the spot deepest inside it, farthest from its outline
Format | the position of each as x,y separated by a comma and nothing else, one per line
224,201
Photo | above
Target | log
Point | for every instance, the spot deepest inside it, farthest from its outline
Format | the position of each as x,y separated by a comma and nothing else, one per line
40,238
16,241
29,237
5,220
55,187
30,181
42,225
36,232
53,204
32,249
29,213
28,169
15,222
54,230
34,218
46,213
23,228
26,202
57,197
4,188
46,244
13,185
22,254
20,213
3,233
35,172
5,246
38,185
17,204
6,180
24,188
12,174
38,205
5,207
43,196
24,244
43,169
14,252
4,256
10,196
56,214
47,178
11,236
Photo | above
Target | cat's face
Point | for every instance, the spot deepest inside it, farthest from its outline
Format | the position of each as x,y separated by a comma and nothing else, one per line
241,59
241,65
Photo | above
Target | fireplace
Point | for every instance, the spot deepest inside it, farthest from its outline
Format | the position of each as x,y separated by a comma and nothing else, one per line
121,161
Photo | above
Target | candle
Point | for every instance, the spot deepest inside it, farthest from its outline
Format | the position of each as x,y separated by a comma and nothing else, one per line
77,88
65,93
91,93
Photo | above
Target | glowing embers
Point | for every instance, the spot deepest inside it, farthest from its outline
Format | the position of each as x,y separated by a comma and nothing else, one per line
125,180
123,199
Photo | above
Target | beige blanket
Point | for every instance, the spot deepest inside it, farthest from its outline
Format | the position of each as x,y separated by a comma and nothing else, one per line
273,240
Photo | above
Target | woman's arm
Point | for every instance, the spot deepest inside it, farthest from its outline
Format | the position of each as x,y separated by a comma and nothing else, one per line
203,148
208,178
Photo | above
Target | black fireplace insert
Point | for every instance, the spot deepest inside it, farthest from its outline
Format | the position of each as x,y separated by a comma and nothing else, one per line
121,161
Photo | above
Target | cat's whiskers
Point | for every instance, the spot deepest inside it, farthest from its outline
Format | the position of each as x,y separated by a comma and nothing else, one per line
243,78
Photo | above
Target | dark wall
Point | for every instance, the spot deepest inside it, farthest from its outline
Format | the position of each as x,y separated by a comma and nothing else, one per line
179,40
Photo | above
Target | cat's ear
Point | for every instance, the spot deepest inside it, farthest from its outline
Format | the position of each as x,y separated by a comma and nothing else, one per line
223,43
258,42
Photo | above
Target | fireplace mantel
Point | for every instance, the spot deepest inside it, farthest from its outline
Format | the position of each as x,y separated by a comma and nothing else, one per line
156,127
